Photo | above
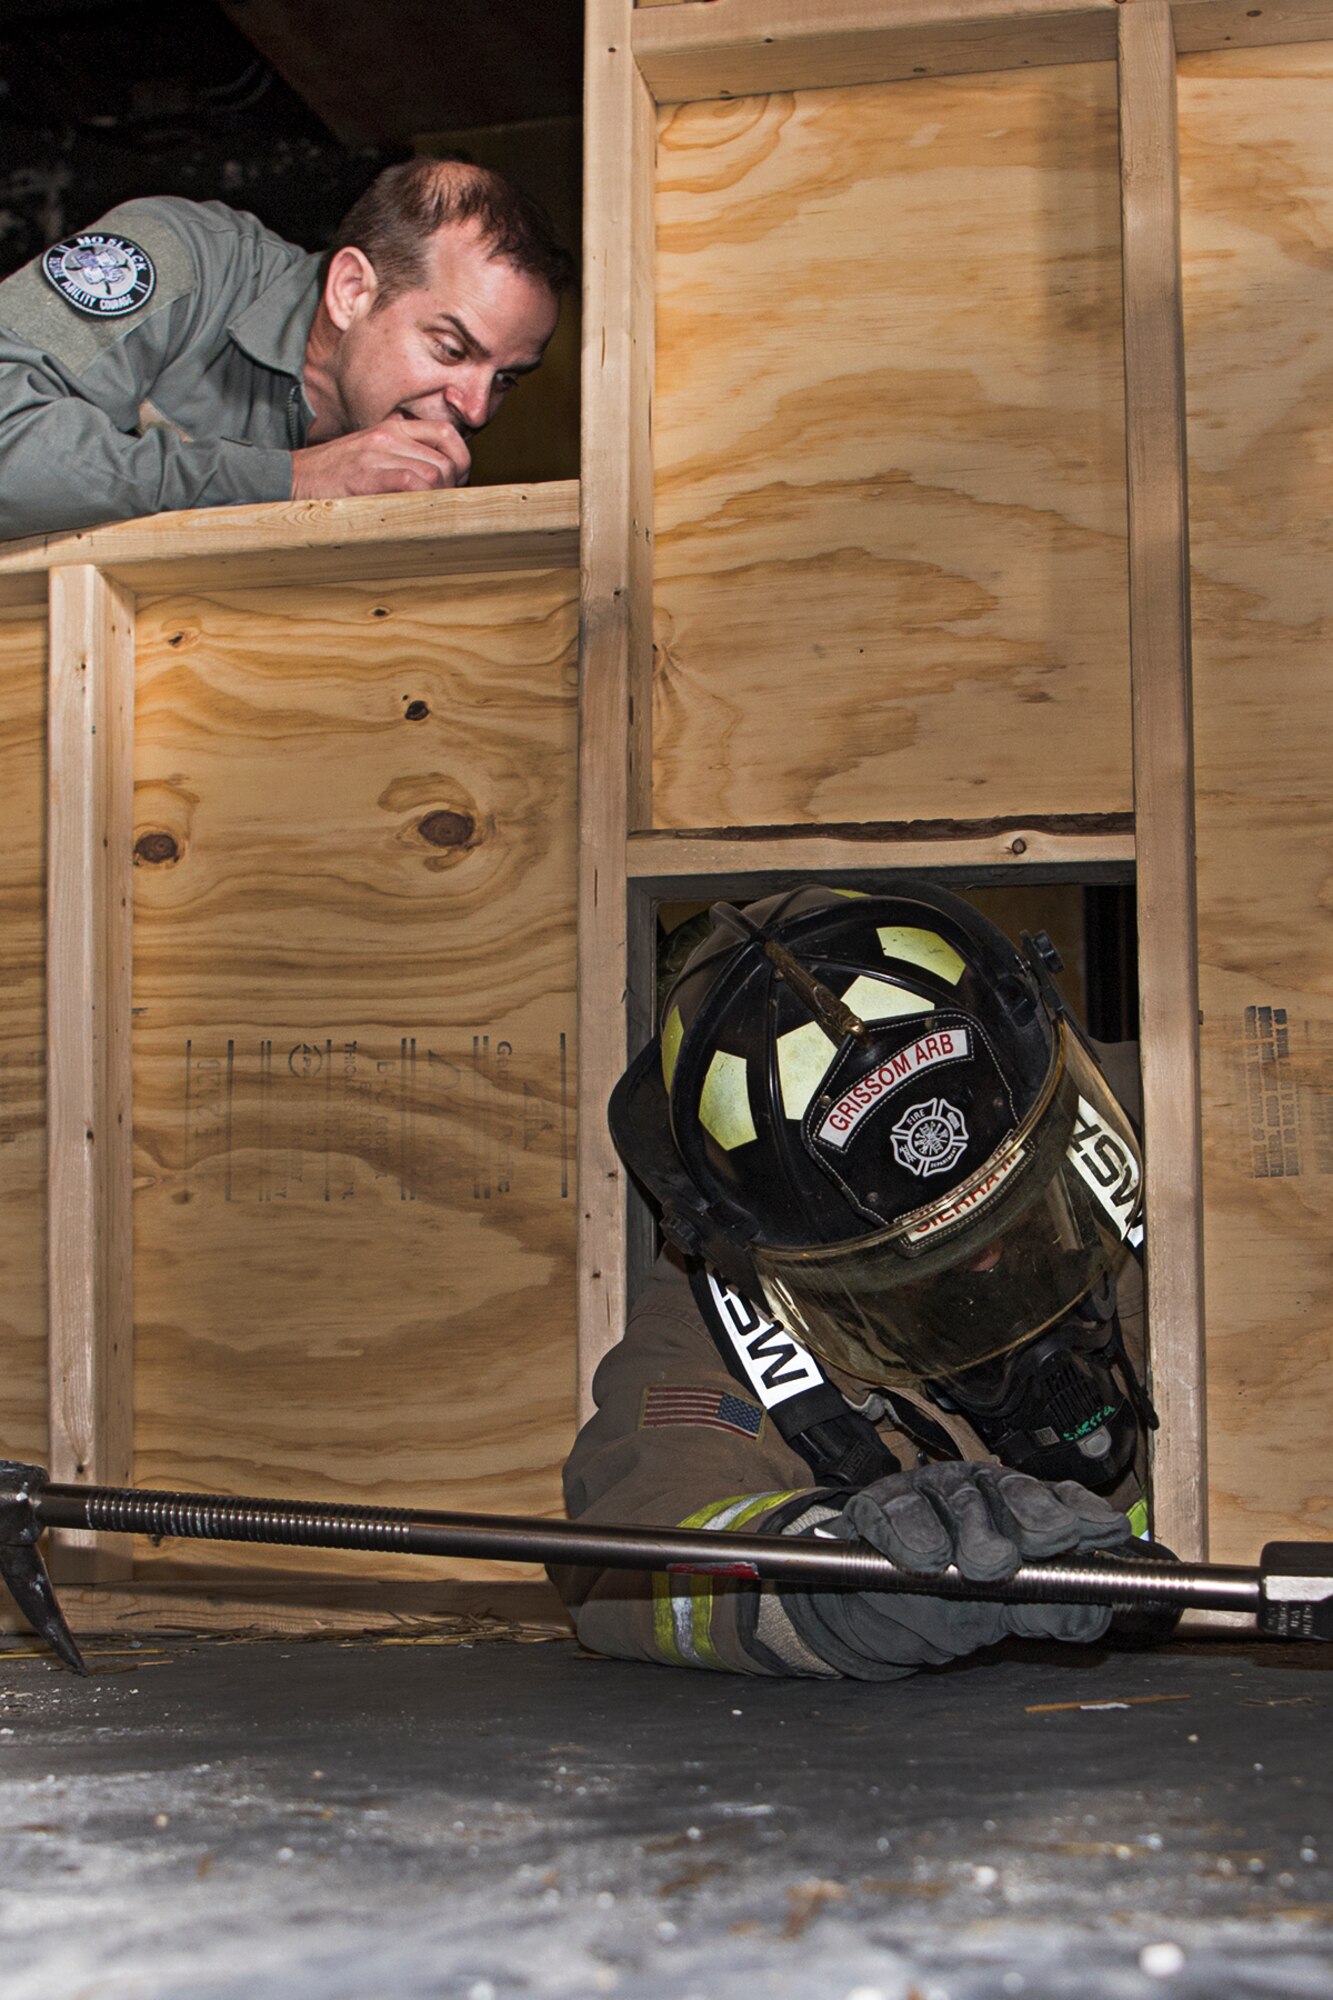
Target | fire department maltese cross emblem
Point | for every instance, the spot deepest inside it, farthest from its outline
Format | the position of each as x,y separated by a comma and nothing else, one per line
930,1138
103,276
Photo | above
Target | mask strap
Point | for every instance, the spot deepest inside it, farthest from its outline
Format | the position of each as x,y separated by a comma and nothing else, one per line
841,1447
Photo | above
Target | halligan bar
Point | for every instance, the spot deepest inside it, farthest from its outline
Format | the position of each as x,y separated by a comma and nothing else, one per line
1106,1578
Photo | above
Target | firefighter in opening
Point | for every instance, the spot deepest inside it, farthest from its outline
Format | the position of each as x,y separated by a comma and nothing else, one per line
900,1193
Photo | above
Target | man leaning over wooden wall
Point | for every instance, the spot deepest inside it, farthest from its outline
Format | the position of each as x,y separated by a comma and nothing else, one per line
178,354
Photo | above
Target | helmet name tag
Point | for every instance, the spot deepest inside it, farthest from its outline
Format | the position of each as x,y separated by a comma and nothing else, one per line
1107,1165
972,1197
947,1045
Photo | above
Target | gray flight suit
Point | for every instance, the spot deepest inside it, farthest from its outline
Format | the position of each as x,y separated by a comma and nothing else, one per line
193,399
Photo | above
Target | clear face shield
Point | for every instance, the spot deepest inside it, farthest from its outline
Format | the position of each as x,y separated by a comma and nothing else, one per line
971,1276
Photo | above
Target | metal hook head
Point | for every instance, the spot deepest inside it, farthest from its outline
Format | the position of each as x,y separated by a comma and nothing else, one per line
21,1563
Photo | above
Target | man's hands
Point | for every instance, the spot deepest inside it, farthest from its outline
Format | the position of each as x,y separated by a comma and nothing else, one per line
400,455
987,1520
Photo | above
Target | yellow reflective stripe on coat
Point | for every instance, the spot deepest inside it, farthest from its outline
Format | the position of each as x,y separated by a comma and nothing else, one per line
683,1605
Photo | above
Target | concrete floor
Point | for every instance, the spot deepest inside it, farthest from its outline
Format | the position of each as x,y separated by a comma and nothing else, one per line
356,1820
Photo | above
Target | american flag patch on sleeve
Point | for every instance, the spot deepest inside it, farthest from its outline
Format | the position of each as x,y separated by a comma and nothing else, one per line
715,1410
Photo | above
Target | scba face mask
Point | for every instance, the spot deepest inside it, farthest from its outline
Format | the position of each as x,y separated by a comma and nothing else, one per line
1064,1405
990,1263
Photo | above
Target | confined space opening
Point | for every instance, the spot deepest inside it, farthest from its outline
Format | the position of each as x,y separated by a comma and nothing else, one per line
1092,926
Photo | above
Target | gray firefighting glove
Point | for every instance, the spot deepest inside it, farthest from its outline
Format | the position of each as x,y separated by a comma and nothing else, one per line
987,1520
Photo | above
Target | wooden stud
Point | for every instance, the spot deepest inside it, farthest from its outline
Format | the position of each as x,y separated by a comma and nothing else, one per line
1256,173
741,48
23,1313
1163,766
89,1120
619,137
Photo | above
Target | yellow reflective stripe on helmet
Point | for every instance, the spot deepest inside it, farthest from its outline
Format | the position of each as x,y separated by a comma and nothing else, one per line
805,1057
924,948
873,999
724,1102
673,1034
683,1605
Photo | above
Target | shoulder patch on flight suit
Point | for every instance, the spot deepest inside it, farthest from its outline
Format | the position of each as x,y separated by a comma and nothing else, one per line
101,275
37,305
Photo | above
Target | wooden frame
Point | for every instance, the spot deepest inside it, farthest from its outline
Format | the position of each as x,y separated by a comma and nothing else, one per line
690,49
685,50
91,582
661,52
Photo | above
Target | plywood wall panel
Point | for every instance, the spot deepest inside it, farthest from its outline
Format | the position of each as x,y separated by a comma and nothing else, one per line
23,1430
888,428
1257,230
354,976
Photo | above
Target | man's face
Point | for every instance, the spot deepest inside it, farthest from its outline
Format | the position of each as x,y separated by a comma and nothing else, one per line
449,351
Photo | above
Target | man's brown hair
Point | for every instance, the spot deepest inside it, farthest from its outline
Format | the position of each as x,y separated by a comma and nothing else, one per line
404,206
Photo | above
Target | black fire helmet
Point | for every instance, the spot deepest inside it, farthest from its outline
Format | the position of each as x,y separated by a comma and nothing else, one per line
873,1114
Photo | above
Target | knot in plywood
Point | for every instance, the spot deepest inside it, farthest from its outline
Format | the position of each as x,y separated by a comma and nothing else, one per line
155,849
445,828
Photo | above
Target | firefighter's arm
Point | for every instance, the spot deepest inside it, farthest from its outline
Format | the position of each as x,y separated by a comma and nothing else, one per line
676,1442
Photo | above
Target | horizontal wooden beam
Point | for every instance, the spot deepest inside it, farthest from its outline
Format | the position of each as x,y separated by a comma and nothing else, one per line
481,529
741,48
1226,24
1095,847
694,49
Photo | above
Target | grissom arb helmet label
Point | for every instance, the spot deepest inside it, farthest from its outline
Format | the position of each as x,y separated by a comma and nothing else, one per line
946,1045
